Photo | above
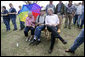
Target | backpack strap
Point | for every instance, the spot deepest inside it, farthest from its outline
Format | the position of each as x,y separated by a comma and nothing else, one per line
44,19
38,18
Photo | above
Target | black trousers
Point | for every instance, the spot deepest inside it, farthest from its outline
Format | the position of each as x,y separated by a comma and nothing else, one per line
27,30
54,34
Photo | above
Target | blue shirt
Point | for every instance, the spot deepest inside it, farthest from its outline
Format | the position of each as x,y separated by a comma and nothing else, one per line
5,12
59,7
12,10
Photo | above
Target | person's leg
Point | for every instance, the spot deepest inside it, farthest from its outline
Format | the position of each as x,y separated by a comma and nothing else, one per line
60,19
14,23
5,22
9,24
78,41
82,21
76,18
78,24
70,19
55,33
20,23
52,43
66,21
38,31
37,34
26,31
23,25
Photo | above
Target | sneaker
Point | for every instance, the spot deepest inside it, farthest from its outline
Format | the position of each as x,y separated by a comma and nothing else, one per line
32,41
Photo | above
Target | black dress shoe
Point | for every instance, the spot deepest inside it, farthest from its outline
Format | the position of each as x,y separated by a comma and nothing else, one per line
14,29
68,50
37,42
64,42
49,51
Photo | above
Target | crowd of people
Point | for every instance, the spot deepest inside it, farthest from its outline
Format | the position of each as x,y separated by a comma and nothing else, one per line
51,19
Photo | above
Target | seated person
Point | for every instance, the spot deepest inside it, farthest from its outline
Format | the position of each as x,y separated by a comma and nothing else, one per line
51,23
40,26
29,25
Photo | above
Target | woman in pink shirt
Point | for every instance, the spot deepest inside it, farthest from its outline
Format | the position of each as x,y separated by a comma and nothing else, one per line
29,26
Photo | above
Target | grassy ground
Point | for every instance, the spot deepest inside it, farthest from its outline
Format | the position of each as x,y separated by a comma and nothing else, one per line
11,38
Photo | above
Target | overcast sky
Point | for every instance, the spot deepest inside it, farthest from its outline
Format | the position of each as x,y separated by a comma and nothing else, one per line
41,3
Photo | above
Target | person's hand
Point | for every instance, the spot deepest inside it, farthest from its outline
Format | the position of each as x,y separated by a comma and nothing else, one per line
54,24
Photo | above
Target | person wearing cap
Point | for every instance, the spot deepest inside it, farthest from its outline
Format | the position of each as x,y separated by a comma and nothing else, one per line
51,23
6,18
40,21
29,25
50,5
22,26
12,14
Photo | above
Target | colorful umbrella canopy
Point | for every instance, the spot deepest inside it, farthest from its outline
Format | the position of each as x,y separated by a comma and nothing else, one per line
34,8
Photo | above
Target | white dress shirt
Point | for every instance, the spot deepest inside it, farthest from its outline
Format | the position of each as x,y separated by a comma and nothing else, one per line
52,19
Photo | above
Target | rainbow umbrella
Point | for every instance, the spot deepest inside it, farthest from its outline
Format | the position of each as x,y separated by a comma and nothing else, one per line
34,8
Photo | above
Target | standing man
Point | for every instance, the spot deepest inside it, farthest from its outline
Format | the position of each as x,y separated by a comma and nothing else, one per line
50,5
69,14
12,14
6,18
60,9
82,19
22,26
79,11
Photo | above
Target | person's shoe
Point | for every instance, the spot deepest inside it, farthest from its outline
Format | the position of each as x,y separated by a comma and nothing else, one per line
49,51
68,50
65,27
69,27
78,26
32,41
64,42
27,39
37,42
14,29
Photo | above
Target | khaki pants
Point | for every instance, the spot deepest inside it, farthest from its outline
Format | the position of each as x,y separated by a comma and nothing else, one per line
60,20
68,20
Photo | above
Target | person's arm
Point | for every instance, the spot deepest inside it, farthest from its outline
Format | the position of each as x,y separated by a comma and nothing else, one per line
27,21
14,11
4,14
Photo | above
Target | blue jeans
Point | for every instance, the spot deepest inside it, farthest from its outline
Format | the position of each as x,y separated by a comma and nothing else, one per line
27,30
22,26
82,20
7,23
38,31
79,19
78,41
75,18
14,22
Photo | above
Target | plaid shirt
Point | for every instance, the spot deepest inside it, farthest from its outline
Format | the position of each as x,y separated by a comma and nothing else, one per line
70,8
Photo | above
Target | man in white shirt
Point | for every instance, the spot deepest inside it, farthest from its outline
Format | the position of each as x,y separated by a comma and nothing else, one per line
52,21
